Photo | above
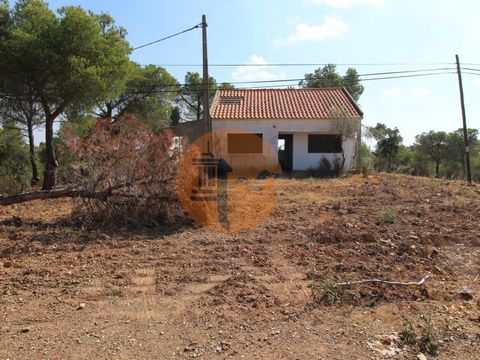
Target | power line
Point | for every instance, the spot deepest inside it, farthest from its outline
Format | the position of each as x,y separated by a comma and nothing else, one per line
278,83
406,71
283,82
471,73
305,64
369,79
471,69
408,76
363,75
167,37
428,72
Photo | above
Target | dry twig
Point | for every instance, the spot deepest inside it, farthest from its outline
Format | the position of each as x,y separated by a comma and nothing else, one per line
421,282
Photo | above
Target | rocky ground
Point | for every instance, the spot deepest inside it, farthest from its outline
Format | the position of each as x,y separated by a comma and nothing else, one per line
269,293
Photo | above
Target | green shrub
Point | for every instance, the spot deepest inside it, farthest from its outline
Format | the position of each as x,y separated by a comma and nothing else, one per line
408,335
327,292
388,216
426,341
14,161
9,185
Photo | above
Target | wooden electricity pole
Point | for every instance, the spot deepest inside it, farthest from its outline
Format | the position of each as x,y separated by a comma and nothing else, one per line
464,118
206,89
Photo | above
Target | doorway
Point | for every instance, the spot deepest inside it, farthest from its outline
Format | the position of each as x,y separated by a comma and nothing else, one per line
285,151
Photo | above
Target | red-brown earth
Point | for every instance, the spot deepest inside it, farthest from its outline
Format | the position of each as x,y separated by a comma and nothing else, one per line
184,292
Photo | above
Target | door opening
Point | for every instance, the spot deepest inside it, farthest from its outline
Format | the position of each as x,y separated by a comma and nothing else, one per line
285,151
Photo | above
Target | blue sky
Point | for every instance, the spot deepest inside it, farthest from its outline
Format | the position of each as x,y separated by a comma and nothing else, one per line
322,31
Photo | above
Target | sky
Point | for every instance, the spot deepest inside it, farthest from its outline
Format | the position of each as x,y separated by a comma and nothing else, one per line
373,36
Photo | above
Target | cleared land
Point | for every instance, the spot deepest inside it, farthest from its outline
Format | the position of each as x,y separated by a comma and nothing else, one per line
185,292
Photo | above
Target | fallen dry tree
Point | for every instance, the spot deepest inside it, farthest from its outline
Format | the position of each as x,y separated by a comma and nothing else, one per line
68,193
123,173
53,194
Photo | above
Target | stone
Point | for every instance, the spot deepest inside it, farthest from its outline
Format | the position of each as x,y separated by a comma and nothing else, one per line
421,357
434,253
81,306
466,293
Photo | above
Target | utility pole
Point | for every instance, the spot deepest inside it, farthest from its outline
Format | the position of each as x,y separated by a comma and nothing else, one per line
464,118
206,89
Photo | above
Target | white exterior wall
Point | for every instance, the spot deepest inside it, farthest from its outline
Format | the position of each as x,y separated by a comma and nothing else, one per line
300,129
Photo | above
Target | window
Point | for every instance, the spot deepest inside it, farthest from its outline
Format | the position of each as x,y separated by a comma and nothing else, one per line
324,144
231,100
245,143
281,144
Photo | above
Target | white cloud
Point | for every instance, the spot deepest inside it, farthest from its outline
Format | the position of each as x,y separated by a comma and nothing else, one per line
345,4
420,92
254,73
394,92
331,28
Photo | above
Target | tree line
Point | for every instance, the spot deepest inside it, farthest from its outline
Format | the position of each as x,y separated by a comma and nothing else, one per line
434,153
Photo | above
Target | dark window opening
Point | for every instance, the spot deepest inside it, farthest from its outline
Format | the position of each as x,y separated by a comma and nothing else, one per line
324,144
245,143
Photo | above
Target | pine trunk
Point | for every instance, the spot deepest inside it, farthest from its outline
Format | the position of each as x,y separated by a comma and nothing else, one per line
33,162
50,177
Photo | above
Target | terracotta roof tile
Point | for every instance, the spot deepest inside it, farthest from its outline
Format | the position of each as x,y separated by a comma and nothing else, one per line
282,104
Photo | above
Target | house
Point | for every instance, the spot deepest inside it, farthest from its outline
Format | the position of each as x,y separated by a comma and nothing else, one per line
298,126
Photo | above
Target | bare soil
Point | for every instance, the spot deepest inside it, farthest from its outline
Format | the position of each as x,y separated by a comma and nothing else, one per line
184,292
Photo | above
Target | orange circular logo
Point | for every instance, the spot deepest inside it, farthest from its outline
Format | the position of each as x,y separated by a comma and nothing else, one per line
226,180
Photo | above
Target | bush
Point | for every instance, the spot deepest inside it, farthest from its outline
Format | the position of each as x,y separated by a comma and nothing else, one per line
326,169
324,289
366,160
265,174
14,162
130,166
9,185
388,216
366,167
426,341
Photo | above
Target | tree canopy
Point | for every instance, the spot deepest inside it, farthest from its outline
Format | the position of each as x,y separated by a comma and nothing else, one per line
149,93
190,96
432,144
25,114
328,77
14,170
388,145
72,58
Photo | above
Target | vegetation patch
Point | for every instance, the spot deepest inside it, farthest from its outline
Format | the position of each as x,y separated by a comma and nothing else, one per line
388,216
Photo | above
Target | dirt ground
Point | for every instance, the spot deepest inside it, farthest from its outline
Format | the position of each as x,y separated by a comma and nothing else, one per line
68,292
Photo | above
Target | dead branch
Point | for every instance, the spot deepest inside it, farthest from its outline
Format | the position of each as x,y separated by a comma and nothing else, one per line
123,172
421,282
72,193
54,194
